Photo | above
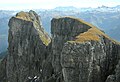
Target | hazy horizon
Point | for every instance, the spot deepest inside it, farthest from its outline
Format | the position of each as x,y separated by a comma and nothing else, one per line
35,4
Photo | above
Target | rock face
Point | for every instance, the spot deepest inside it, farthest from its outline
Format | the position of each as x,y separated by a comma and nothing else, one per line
63,30
27,47
3,77
83,53
78,52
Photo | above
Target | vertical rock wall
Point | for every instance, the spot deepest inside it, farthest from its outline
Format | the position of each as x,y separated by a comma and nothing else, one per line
77,52
27,47
63,30
81,52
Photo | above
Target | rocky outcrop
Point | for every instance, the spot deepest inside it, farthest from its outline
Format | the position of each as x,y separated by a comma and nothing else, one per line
27,47
83,53
78,52
63,30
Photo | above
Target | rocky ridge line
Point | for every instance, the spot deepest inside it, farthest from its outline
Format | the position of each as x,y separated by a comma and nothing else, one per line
76,52
83,52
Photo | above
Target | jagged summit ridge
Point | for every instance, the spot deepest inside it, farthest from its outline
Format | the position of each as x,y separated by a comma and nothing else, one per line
76,51
83,52
32,18
93,33
29,16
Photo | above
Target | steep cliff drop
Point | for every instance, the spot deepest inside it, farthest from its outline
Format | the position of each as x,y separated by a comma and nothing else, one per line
76,52
83,52
27,47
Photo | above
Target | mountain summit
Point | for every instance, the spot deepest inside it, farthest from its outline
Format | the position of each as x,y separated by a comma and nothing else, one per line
84,52
27,46
76,52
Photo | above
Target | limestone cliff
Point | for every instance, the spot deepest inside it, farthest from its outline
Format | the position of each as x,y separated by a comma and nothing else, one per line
27,47
76,52
83,52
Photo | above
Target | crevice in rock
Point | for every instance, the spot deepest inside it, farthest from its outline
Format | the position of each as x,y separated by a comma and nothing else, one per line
111,60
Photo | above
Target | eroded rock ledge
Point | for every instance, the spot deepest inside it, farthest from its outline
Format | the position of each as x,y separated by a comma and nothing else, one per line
76,52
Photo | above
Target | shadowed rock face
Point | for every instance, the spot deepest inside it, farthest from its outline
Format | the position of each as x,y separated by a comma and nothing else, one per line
83,52
89,61
78,51
63,30
27,47
3,77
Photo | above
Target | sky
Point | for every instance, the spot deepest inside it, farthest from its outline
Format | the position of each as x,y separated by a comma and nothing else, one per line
49,4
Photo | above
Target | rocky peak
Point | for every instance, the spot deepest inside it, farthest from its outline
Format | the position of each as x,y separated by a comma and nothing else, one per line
78,51
29,16
83,52
27,47
64,29
69,25
33,18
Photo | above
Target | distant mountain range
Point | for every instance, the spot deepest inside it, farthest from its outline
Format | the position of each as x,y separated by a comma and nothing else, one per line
106,18
101,9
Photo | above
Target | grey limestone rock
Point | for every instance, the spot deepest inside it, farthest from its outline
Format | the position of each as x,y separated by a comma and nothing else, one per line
82,52
76,52
27,47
